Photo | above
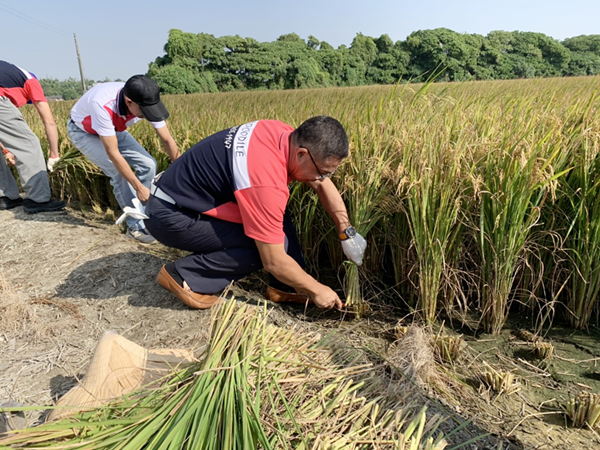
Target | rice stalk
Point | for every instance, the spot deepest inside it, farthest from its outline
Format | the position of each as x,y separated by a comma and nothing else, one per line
543,350
584,410
499,381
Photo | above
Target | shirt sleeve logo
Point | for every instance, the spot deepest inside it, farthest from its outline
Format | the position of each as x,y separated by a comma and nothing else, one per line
239,147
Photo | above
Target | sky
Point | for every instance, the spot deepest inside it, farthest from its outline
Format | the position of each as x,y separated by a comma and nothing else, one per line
118,39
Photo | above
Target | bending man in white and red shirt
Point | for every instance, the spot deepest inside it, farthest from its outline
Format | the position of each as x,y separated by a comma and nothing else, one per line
97,128
225,200
21,146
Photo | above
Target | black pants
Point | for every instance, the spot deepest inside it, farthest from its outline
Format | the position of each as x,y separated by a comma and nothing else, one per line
221,252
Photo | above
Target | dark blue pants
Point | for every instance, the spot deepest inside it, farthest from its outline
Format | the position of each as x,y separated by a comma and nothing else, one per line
221,252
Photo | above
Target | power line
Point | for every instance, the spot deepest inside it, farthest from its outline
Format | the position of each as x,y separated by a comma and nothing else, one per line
33,20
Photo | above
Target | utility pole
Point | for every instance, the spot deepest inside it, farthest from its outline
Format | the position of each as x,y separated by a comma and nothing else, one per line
80,65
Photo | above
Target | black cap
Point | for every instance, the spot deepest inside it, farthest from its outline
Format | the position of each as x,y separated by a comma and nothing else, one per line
145,92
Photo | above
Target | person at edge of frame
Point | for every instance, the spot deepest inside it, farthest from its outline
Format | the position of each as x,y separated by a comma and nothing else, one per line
21,147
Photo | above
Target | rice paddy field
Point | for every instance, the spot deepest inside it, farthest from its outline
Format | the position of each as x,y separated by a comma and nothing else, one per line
478,200
480,203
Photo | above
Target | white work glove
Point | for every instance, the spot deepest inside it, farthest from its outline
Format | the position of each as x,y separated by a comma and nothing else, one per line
51,162
354,248
137,212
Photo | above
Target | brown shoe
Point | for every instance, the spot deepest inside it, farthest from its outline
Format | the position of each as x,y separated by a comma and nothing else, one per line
192,299
277,296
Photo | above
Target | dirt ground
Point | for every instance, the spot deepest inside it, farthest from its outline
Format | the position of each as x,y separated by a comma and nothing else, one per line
76,276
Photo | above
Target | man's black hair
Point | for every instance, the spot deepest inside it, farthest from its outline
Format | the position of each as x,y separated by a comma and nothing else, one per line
323,136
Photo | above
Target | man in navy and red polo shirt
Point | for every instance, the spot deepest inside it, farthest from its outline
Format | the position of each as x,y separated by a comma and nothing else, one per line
97,128
21,146
225,200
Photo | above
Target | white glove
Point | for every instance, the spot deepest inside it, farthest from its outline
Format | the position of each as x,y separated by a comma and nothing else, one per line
51,162
354,248
137,212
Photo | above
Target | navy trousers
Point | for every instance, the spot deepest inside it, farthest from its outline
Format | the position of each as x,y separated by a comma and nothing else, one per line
221,252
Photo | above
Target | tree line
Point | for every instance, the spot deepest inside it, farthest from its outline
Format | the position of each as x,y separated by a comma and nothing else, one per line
69,89
205,63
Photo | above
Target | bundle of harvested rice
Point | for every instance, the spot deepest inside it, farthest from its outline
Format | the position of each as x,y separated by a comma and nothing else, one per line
256,386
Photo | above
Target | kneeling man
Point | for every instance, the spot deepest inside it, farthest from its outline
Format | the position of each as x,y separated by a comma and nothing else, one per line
225,200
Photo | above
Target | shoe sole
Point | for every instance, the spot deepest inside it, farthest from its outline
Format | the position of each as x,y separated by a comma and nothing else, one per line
278,296
39,210
141,242
191,299
5,207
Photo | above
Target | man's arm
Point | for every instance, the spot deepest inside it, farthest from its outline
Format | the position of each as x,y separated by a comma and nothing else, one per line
45,113
283,267
353,248
112,149
168,142
332,202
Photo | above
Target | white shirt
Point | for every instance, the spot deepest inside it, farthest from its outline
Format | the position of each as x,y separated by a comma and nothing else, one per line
97,112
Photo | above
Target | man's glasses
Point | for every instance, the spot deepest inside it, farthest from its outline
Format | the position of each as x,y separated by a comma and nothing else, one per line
321,176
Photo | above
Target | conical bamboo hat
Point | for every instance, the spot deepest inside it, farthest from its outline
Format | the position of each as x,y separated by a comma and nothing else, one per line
118,367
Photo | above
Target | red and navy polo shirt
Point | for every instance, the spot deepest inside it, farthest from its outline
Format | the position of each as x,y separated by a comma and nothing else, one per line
238,175
19,86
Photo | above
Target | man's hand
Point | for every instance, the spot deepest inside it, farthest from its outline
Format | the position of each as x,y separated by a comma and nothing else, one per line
143,193
111,146
326,298
283,267
9,157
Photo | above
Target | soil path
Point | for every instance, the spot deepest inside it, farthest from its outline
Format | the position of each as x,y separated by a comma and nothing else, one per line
74,279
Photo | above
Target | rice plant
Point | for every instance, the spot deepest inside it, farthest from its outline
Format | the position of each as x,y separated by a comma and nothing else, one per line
515,180
581,209
366,179
432,167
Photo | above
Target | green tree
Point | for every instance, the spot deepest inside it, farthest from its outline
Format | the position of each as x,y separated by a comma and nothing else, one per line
69,89
583,43
526,55
175,79
585,55
391,62
201,62
441,50
583,63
